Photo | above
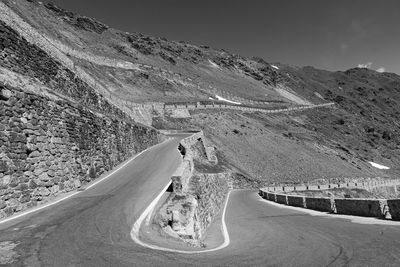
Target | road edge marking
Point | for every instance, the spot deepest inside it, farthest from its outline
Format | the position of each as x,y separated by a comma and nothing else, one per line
11,218
136,229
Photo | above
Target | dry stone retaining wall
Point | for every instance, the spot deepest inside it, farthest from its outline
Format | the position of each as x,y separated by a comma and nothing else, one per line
197,197
50,146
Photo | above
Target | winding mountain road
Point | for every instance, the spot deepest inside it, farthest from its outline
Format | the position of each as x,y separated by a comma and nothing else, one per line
92,228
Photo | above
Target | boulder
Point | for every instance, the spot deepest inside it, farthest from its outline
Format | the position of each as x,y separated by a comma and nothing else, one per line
5,94
2,204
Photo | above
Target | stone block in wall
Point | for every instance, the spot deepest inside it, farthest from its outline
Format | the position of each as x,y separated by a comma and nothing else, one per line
180,113
300,187
359,207
350,185
56,152
320,204
288,188
282,199
296,201
271,196
323,187
181,177
211,191
394,208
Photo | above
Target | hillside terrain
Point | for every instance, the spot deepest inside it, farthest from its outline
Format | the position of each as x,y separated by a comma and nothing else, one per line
49,51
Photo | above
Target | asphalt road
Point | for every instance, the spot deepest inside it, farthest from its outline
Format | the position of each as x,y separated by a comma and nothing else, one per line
93,228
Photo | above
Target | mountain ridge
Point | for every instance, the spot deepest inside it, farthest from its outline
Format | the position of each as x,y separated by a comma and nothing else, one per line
139,74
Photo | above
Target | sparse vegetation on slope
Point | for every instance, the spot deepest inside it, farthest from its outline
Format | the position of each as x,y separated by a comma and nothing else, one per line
136,69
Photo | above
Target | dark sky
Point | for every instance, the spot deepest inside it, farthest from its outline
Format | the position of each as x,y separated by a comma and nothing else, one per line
328,34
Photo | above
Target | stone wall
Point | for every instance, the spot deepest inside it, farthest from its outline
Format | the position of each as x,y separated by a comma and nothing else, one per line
359,207
368,184
394,208
210,190
196,198
379,208
282,199
296,201
50,146
320,204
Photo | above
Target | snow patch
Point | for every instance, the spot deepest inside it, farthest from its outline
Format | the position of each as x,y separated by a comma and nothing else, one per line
275,67
226,100
379,166
215,65
319,95
291,96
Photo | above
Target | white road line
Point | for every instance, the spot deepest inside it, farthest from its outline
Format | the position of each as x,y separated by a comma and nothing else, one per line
36,209
75,193
149,216
354,219
136,228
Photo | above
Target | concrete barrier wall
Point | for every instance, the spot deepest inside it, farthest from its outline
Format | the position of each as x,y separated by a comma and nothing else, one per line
262,193
282,199
296,201
359,207
365,185
193,106
380,208
271,196
320,204
394,208
288,188
300,188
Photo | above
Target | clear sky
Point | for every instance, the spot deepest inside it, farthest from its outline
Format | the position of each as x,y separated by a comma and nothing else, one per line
327,34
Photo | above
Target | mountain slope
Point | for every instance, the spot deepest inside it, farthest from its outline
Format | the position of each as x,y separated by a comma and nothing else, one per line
51,51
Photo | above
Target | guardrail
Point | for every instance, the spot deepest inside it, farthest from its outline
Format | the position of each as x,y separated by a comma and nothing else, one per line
199,106
354,184
380,208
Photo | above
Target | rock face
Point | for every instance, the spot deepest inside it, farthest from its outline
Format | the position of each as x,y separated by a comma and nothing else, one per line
197,197
52,146
83,23
19,56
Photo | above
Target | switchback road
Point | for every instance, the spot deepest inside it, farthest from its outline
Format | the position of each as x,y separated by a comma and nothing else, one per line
93,228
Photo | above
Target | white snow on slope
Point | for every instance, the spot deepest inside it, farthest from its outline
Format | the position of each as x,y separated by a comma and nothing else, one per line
226,100
379,166
275,67
283,91
215,65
